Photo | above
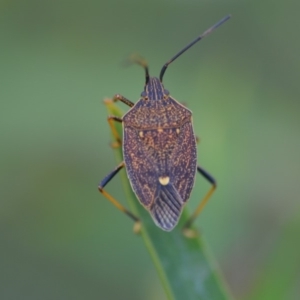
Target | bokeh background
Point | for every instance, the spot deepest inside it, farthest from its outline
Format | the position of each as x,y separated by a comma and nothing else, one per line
59,238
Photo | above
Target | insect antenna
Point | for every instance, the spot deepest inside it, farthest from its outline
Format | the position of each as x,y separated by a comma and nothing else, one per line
207,32
137,59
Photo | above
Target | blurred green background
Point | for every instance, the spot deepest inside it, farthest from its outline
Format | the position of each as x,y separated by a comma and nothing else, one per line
59,238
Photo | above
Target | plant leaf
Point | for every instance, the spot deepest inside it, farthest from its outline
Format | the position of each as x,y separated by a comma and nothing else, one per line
279,277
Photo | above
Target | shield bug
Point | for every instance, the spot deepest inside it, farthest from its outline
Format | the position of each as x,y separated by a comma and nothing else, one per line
159,150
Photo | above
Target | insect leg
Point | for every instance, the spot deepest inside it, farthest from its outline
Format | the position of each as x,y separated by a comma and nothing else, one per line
116,203
121,98
203,202
111,121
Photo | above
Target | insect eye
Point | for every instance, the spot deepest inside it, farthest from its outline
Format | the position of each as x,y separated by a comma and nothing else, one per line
166,92
144,95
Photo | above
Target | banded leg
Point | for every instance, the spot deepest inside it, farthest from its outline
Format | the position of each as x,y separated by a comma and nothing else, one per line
111,121
121,98
116,203
186,228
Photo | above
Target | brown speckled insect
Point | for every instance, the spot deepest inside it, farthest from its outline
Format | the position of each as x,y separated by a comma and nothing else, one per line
159,149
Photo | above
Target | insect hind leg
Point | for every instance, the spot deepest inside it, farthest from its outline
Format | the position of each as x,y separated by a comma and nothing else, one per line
186,228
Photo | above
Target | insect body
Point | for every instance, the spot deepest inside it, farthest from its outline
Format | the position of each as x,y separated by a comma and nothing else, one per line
159,150
160,153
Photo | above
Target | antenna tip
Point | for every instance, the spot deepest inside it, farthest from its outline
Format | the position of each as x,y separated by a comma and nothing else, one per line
226,18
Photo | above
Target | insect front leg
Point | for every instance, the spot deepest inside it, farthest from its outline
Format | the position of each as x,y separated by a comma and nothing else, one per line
116,203
186,228
121,98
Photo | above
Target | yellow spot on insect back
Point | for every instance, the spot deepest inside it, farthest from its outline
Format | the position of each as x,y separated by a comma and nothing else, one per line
141,134
177,130
164,180
160,130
